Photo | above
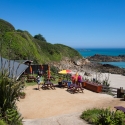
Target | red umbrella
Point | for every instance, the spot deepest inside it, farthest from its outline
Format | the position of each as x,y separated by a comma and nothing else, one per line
48,72
31,69
41,67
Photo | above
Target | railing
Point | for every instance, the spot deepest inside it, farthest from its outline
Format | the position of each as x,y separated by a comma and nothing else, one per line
111,90
119,92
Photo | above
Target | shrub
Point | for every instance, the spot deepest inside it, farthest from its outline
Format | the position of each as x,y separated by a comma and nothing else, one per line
13,117
22,94
2,122
90,115
9,93
104,117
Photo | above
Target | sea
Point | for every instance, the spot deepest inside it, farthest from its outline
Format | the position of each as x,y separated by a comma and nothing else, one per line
87,52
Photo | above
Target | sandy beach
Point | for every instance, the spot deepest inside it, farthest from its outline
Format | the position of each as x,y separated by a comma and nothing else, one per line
53,103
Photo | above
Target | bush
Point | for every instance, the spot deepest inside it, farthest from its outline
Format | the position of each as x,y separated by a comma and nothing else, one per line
103,117
9,94
22,94
106,117
2,122
90,115
13,117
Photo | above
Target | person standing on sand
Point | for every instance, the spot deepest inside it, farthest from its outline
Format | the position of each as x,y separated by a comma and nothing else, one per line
79,80
38,82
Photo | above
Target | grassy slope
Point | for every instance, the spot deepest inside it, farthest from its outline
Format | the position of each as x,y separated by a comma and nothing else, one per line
18,44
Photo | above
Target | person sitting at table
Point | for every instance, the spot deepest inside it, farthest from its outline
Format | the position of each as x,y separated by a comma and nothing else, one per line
69,83
73,79
60,82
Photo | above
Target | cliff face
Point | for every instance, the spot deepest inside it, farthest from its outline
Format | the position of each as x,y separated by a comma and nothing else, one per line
104,58
21,45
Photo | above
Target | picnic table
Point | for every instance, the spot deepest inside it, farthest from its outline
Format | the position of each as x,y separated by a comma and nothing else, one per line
48,85
75,88
120,108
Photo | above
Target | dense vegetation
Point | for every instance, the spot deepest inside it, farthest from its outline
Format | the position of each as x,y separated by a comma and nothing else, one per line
18,44
9,94
103,117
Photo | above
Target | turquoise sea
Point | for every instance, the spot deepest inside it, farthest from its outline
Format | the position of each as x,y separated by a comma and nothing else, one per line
86,52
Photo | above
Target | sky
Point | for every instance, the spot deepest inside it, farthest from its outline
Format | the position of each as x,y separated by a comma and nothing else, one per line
75,23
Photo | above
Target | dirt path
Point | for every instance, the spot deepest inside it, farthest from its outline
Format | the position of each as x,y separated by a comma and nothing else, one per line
48,103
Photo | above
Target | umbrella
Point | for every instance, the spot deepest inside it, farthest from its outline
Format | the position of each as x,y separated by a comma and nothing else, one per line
76,77
30,69
48,72
41,67
65,71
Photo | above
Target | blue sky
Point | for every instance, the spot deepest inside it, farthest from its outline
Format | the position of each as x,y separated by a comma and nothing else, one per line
75,23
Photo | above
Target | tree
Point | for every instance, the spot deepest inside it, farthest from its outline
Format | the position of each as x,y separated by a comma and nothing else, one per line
40,37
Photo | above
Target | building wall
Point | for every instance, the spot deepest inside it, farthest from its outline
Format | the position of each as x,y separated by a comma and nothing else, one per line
36,67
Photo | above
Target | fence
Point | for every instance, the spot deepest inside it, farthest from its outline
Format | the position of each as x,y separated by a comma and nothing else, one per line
114,91
110,90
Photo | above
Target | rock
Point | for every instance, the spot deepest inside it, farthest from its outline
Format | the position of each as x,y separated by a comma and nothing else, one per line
85,65
105,58
77,62
87,74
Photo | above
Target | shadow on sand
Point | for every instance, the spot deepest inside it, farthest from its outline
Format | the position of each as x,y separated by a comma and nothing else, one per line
35,88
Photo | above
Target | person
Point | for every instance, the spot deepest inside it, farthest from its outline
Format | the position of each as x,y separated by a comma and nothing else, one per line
73,79
41,73
38,82
38,72
60,82
79,80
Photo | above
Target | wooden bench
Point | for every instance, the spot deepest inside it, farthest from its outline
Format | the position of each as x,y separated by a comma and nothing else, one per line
120,108
48,85
30,80
75,88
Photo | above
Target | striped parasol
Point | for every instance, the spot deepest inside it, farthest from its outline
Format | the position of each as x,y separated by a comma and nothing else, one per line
65,71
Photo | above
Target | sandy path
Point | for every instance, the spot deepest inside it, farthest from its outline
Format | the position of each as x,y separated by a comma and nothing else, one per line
47,103
59,107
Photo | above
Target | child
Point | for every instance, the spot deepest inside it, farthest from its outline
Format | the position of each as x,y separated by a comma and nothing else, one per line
38,82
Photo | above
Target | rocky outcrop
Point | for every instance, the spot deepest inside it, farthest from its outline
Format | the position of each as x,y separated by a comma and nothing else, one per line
107,68
105,58
74,64
84,65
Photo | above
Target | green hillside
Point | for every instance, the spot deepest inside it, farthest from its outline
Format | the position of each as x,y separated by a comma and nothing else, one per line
21,45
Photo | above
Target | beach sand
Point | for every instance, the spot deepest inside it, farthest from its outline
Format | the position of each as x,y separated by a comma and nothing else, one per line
50,103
